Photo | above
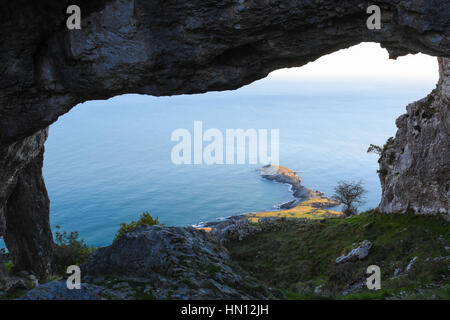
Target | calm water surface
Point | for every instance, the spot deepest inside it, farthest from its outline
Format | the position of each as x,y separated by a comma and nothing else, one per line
108,161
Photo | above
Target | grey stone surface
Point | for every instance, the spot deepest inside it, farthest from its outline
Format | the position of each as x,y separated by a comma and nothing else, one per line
415,166
410,264
359,253
57,290
233,229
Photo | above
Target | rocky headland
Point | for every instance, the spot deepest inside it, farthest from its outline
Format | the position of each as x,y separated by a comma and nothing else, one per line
309,204
285,175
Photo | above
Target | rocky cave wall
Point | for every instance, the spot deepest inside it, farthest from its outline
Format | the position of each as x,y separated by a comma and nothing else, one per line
175,47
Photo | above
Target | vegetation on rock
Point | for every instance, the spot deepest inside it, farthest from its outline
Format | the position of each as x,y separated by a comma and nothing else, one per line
69,250
145,220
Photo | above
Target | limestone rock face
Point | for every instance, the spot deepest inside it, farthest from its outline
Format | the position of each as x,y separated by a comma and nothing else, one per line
179,47
415,166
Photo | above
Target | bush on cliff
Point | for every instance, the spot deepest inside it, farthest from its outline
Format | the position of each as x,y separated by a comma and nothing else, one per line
69,250
145,220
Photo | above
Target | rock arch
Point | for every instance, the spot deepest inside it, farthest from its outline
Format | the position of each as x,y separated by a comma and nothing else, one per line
175,47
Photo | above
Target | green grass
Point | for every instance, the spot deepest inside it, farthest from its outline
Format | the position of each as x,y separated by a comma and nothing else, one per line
12,296
296,296
366,295
298,256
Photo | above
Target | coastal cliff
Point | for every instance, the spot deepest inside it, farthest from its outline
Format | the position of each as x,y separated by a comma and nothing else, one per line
415,165
282,174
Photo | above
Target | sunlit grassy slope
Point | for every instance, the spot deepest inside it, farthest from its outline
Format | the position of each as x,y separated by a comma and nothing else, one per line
310,209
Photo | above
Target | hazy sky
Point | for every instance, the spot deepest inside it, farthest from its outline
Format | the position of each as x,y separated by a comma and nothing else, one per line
366,59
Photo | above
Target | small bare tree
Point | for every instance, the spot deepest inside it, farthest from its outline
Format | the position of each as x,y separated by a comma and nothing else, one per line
350,194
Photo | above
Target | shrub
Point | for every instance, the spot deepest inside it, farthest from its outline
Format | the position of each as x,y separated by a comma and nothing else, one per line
9,265
69,250
145,220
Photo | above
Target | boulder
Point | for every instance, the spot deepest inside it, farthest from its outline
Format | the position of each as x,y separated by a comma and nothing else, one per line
410,264
57,290
359,253
233,229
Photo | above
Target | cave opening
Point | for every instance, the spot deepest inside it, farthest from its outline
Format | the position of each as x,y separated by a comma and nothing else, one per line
108,161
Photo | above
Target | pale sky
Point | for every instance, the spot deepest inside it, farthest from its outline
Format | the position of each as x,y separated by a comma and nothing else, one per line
367,60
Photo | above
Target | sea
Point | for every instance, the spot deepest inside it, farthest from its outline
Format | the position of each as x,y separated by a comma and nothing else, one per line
107,162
